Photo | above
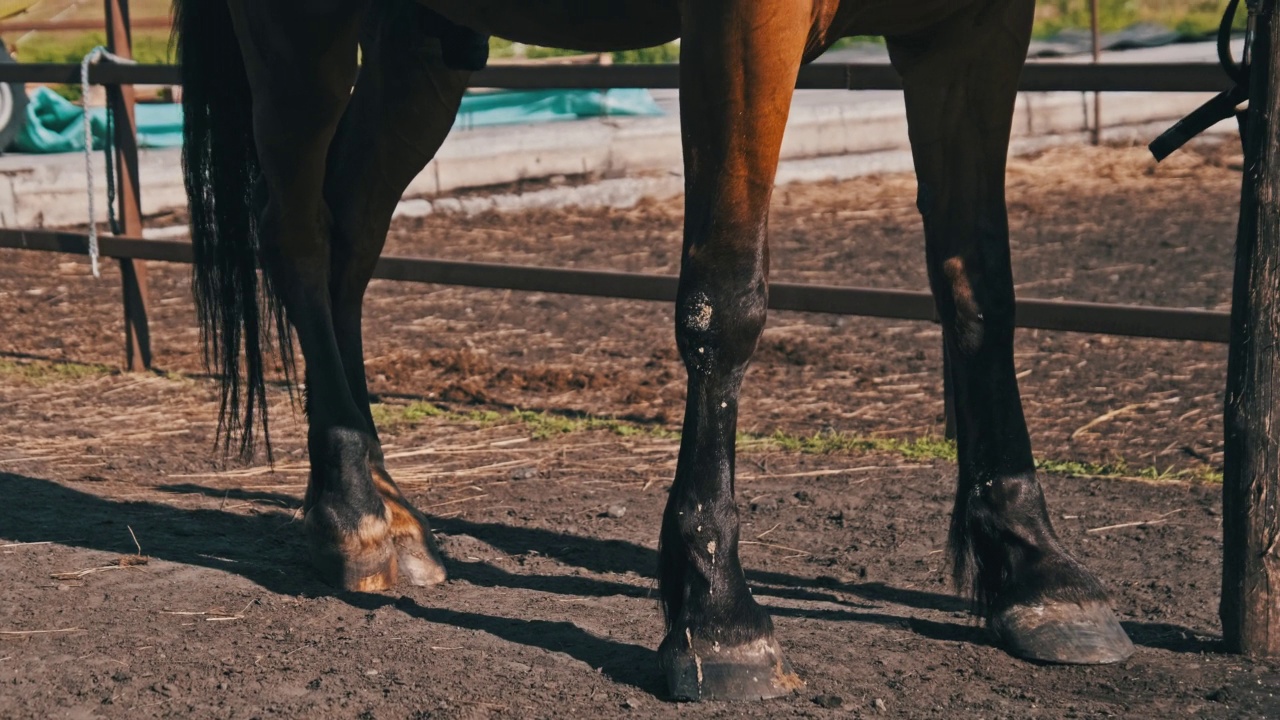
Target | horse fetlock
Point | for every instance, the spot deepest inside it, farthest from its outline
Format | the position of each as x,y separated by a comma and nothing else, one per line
1041,603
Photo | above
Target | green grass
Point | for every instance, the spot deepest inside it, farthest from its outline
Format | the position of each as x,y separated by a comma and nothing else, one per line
928,448
48,373
1189,17
546,426
150,47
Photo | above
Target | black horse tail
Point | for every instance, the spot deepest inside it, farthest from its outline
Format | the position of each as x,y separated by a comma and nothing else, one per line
220,164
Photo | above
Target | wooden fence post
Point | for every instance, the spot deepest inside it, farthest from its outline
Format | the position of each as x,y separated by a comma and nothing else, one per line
1250,608
1096,134
133,272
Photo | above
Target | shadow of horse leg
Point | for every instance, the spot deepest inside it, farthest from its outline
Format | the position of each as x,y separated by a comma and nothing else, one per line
299,69
739,62
961,79
403,106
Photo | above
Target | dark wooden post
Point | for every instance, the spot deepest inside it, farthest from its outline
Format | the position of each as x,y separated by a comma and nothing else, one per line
1096,135
1250,608
133,273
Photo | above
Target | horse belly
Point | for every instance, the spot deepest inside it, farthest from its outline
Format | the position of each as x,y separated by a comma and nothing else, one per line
588,25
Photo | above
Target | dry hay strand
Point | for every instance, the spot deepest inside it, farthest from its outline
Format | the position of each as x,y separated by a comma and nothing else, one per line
124,562
1136,523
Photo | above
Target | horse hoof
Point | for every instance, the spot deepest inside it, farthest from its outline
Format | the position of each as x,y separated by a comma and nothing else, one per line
362,560
416,551
419,561
707,671
1064,633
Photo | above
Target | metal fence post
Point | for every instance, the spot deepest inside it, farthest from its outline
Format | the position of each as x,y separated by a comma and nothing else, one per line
133,273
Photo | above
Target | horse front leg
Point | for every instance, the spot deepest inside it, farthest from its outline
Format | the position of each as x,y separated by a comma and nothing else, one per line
402,109
961,80
739,61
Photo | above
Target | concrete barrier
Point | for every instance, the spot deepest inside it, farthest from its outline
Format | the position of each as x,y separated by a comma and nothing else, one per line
830,135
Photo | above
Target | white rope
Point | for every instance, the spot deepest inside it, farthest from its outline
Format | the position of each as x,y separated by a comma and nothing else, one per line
95,55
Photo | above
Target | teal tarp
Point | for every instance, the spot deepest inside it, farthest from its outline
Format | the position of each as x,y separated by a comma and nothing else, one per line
56,125
513,107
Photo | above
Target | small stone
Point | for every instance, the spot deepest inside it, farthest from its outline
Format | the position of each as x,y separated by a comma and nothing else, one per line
879,705
616,511
524,473
1221,695
370,673
829,701
519,666
630,704
223,686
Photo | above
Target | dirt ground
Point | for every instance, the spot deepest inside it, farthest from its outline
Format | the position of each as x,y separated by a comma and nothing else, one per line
146,576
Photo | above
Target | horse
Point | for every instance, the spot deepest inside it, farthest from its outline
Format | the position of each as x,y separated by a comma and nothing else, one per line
306,120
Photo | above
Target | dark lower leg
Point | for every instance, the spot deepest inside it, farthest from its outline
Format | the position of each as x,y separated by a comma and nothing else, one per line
297,106
719,642
960,86
402,109
347,524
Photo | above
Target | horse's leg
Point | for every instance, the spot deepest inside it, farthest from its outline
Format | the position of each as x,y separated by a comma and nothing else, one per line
961,79
402,108
739,61
300,65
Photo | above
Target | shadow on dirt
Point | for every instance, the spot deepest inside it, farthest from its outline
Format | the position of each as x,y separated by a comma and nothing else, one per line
268,549
622,662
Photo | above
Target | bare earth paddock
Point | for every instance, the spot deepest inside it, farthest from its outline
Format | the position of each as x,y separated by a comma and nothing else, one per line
143,575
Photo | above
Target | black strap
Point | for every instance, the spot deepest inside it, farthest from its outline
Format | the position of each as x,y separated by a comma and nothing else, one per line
1221,107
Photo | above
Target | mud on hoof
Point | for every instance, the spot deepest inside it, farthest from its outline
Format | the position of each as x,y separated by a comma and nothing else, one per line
698,670
359,558
1063,632
418,557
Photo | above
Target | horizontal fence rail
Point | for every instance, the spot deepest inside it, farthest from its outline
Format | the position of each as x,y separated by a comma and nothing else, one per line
1165,323
1036,77
14,26
1137,321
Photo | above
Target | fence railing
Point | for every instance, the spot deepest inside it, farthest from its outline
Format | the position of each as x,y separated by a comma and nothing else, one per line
131,250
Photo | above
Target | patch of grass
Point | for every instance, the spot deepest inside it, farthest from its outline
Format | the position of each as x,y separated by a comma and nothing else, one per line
47,373
148,47
541,425
927,448
1189,17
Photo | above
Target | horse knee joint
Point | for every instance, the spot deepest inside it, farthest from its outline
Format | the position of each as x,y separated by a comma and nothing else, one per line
718,331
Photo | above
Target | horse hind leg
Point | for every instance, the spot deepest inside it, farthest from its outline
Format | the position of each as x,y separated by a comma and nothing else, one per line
300,69
739,62
961,80
403,106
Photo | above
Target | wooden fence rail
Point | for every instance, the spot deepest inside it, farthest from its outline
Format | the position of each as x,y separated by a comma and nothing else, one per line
1165,323
1132,320
1036,77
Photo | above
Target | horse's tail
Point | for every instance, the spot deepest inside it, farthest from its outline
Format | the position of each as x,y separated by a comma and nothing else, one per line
220,164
